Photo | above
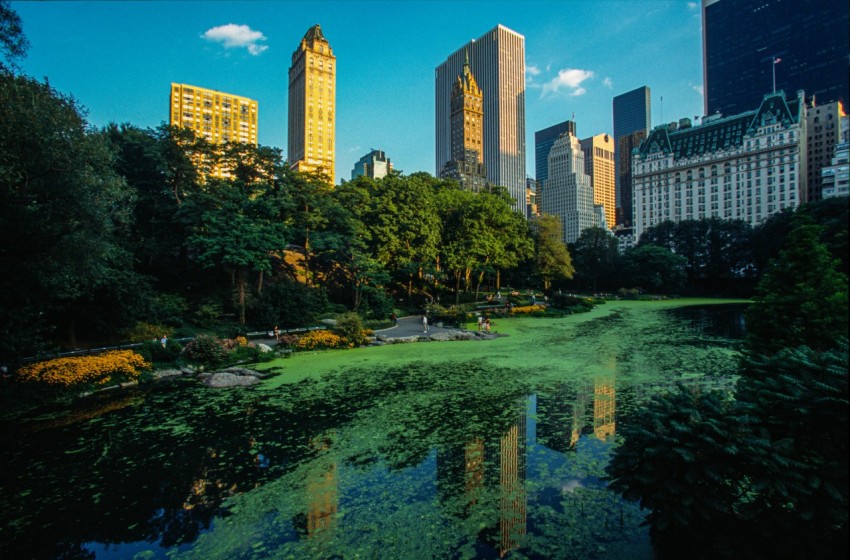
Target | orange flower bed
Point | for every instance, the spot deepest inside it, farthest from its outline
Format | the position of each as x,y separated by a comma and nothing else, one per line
117,365
527,309
315,340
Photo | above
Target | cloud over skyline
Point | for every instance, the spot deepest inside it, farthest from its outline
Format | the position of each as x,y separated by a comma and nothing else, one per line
568,79
236,36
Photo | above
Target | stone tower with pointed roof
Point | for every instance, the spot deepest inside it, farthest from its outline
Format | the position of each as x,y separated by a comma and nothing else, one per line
467,133
312,105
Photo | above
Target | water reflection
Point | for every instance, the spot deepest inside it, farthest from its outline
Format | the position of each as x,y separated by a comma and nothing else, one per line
455,461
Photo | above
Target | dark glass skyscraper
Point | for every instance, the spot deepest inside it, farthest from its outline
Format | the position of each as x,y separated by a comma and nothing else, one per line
742,38
632,118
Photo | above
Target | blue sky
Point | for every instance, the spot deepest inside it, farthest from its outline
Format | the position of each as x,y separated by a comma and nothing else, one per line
118,60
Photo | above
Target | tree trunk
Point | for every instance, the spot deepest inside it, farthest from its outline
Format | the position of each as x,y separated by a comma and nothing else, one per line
260,284
457,288
498,279
240,293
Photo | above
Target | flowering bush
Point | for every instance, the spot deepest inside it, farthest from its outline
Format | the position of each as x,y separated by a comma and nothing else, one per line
289,340
114,366
316,340
231,343
528,309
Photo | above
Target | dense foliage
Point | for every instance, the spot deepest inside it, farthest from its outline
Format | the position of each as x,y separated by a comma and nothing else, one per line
761,473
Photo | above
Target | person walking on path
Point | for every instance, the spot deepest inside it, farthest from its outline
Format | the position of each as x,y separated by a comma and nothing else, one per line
276,333
394,318
487,324
480,322
424,323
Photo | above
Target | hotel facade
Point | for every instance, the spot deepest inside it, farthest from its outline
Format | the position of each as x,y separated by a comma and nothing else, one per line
744,167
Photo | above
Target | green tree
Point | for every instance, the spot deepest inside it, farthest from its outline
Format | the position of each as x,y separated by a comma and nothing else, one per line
552,257
237,225
63,215
13,42
596,257
802,298
654,269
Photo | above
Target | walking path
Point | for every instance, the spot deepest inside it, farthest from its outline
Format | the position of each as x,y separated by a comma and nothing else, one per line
411,326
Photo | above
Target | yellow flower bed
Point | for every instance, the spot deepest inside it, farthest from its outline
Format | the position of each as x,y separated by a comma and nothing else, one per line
315,340
526,309
100,369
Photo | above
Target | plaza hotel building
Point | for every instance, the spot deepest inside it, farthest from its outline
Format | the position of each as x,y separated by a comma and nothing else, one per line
743,167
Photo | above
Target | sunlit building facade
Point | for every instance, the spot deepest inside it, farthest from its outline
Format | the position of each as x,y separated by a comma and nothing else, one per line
568,191
312,105
217,116
375,165
467,133
745,167
599,164
498,60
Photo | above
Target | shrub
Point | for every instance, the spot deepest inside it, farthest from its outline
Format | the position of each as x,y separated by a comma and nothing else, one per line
318,340
207,350
350,327
154,352
114,366
146,332
289,340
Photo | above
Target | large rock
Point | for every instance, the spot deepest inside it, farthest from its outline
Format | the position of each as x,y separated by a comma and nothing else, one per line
452,335
166,373
245,371
263,347
224,379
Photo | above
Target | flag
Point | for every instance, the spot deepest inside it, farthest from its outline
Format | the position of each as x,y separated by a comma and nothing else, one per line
777,60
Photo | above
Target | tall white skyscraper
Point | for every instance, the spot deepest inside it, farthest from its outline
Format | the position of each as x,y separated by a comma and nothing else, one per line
497,59
568,191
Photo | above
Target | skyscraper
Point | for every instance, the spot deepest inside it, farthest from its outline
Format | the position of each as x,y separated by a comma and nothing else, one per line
374,165
632,120
805,42
467,133
567,192
599,165
312,105
214,115
543,141
823,132
498,60
217,116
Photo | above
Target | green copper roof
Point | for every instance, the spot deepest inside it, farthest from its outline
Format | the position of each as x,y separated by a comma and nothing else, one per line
720,133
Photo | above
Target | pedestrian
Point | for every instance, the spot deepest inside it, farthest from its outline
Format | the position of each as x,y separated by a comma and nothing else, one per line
394,318
424,323
480,322
164,341
487,324
276,333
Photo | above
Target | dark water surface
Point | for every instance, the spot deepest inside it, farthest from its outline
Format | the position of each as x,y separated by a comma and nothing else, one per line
421,461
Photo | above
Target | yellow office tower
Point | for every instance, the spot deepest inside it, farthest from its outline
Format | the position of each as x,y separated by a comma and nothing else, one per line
219,117
312,105
599,164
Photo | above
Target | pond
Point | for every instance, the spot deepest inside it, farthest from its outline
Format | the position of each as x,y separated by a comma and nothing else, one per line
479,449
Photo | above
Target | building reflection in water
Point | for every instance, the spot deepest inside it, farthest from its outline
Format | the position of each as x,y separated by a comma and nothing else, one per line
513,496
604,407
322,491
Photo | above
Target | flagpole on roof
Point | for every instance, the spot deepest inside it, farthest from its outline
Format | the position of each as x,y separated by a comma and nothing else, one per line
774,62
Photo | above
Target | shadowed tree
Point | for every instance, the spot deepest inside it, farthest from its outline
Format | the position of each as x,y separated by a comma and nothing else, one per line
552,258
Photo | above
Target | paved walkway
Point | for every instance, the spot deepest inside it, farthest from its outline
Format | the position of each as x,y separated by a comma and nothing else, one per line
411,326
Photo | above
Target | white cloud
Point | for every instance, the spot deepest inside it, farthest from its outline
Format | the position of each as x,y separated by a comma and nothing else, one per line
693,5
699,89
532,69
568,78
236,36
608,83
